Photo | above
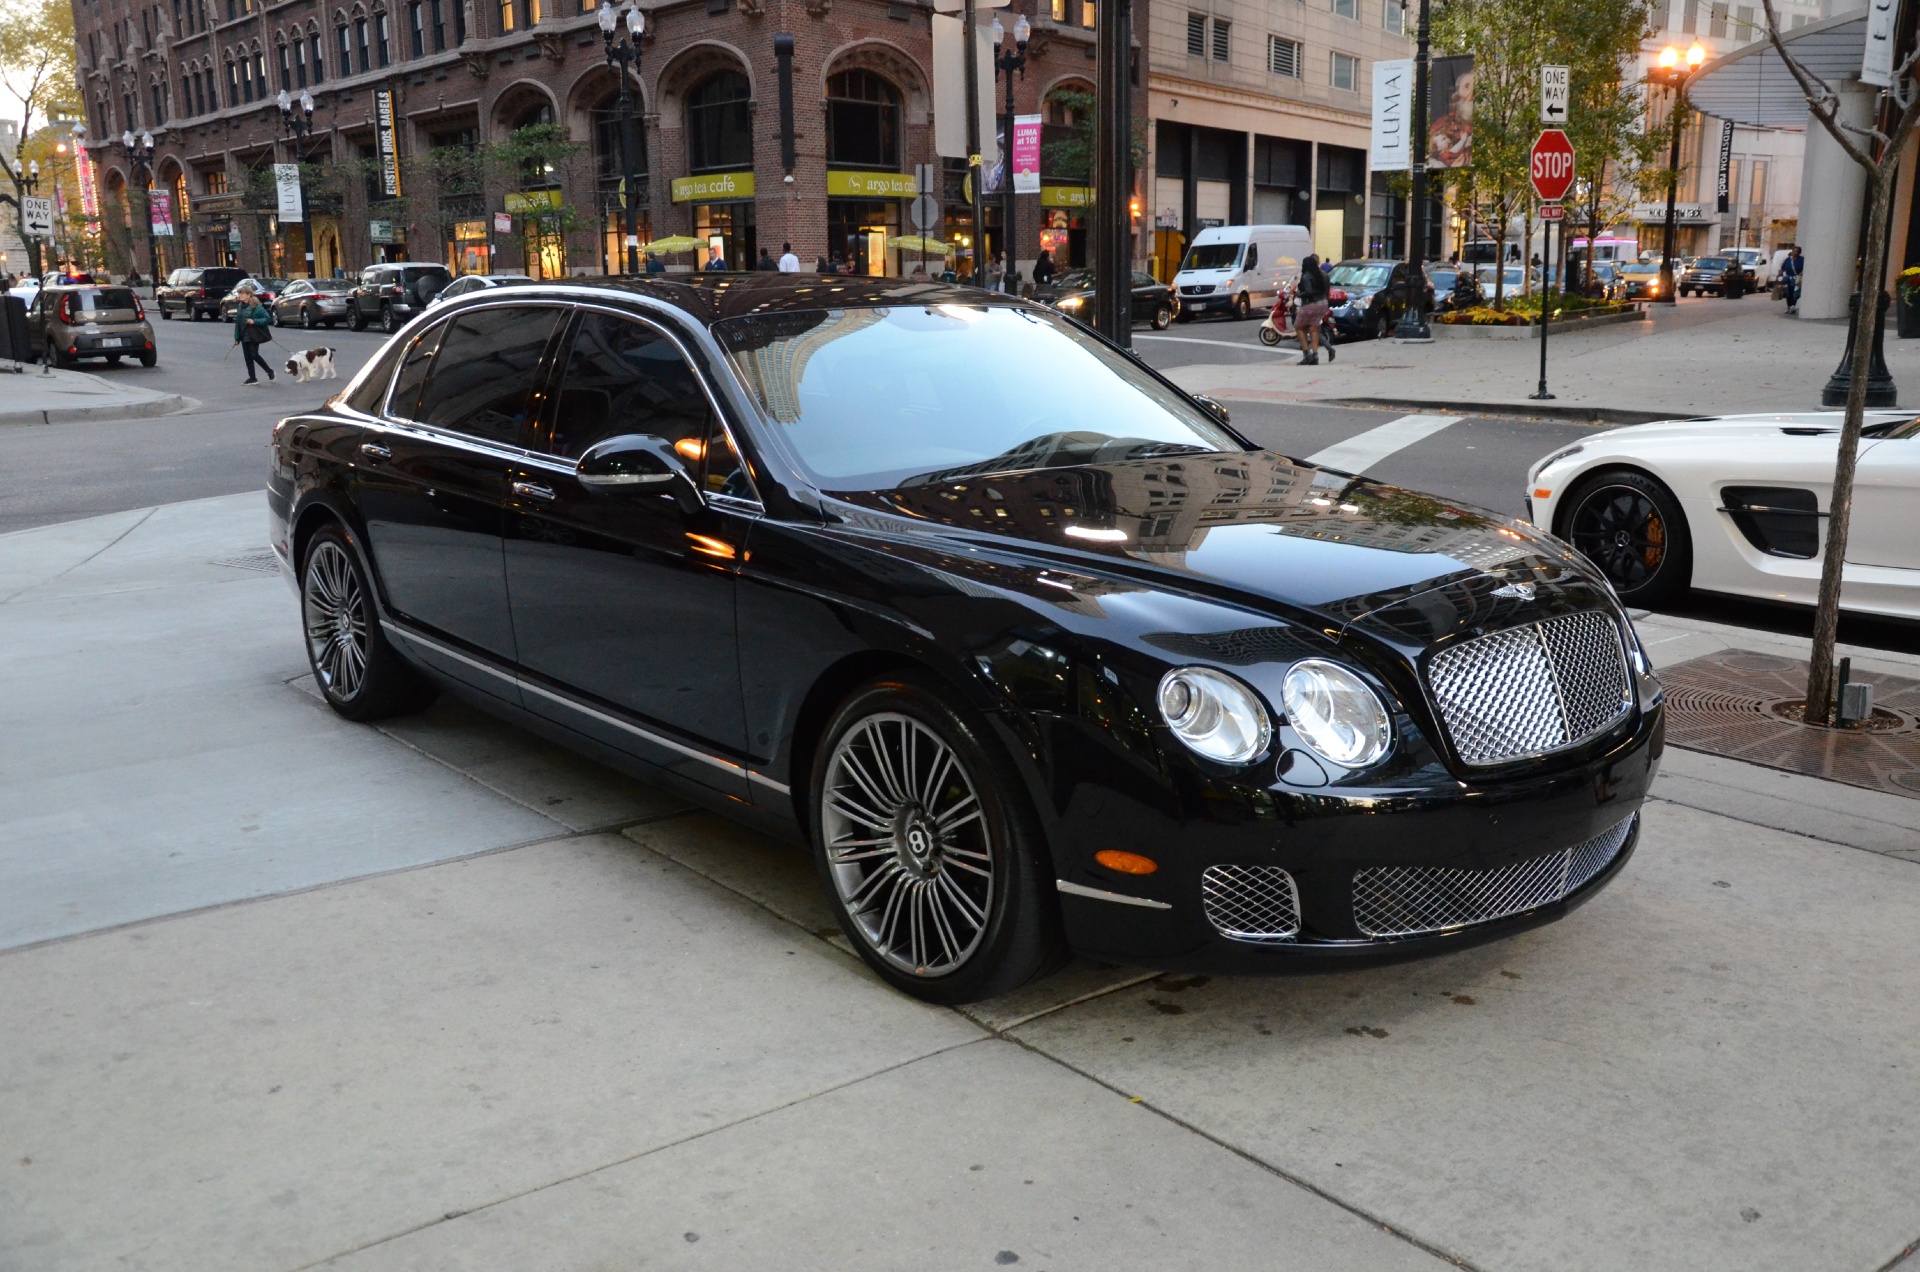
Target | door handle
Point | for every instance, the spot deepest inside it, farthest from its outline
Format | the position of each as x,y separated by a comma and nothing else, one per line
378,454
527,490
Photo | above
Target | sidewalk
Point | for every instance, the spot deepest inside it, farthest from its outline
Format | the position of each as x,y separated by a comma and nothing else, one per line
1701,357
58,397
283,990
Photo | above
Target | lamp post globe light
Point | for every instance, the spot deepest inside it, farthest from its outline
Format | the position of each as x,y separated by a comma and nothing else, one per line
623,55
1672,70
1009,60
140,162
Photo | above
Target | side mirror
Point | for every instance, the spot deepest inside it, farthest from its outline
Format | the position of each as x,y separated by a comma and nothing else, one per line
633,461
1212,407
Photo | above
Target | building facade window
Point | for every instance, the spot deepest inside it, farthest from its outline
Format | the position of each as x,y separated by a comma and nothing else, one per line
346,50
1344,72
1393,17
863,121
360,43
1283,56
1086,14
286,67
1196,35
1717,22
382,40
436,9
299,62
1346,8
313,56
719,125
215,182
1222,40
416,30
1059,10
509,16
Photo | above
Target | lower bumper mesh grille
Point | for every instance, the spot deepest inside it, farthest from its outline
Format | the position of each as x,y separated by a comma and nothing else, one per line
1391,901
1251,903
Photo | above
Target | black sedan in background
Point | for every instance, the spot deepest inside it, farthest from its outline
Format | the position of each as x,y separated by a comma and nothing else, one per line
196,291
1154,302
1377,294
1029,647
1724,275
312,302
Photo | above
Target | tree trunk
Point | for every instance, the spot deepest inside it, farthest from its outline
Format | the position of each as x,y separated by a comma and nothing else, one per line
1826,619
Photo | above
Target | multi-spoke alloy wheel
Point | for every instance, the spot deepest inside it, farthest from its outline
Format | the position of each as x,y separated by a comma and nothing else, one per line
362,676
931,853
1629,526
907,848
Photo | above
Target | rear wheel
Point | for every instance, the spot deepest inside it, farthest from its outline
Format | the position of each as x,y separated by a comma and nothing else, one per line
149,359
306,317
390,321
1382,325
166,315
360,674
1162,316
933,860
1631,527
193,313
1269,335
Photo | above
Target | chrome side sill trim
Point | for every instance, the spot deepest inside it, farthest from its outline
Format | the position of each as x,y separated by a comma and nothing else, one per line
1081,890
528,686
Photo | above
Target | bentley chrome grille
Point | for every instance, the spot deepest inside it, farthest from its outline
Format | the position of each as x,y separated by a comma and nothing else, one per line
1392,901
1251,903
1530,690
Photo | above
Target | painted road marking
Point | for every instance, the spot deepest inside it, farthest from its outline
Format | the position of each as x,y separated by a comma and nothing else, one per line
1361,452
1218,344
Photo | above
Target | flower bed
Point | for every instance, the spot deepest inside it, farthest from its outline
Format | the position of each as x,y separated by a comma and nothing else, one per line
1525,314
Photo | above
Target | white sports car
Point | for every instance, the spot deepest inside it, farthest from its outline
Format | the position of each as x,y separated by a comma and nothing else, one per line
1738,504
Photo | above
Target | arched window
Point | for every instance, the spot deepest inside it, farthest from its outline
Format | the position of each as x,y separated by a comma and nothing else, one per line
863,121
719,124
606,143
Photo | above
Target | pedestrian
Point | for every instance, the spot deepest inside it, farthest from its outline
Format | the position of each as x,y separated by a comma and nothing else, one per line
655,265
1792,270
716,264
789,263
996,271
1043,268
252,327
1312,295
820,265
765,264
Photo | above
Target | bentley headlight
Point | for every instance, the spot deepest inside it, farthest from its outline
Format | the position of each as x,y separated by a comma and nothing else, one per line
1336,714
1214,714
1072,302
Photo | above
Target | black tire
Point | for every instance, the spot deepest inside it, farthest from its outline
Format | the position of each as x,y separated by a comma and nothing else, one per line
1000,925
1162,316
149,359
193,313
54,358
1632,529
1382,325
390,322
1269,336
341,628
306,317
166,315
355,319
1242,307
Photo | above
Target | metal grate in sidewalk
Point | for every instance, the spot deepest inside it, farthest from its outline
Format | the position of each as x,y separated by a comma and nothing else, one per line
263,562
1741,705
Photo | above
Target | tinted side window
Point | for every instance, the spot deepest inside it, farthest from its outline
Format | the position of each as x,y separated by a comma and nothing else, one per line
484,379
1253,256
626,377
371,393
405,402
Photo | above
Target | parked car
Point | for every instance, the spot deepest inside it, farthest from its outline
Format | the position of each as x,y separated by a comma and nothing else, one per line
265,290
312,302
26,289
1376,296
1724,275
70,322
391,294
1738,504
1031,648
1640,280
1072,293
1602,282
1237,269
196,291
1758,267
1514,279
467,284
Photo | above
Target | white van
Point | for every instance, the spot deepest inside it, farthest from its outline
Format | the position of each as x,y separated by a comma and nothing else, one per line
1238,269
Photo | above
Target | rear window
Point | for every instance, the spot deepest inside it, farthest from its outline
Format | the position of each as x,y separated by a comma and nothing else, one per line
90,302
415,273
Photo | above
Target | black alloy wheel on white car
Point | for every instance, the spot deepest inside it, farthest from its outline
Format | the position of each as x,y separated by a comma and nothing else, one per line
934,861
358,671
1632,528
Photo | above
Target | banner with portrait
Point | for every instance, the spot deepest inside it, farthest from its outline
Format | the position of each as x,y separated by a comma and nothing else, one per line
1450,112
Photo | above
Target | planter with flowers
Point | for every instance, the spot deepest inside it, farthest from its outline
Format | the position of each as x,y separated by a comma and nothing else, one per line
1908,289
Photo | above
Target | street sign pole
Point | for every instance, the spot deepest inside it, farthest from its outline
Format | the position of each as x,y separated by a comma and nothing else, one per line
1546,306
1550,169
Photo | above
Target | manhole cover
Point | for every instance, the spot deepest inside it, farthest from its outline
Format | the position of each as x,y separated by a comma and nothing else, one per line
264,562
1746,706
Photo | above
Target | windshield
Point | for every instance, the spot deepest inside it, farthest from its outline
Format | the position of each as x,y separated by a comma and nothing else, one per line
1710,262
1641,269
1360,275
874,399
1213,256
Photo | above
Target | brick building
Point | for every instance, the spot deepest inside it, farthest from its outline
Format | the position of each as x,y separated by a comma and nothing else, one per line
203,77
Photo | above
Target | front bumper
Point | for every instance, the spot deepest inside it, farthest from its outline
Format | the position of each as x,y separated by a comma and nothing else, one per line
1324,839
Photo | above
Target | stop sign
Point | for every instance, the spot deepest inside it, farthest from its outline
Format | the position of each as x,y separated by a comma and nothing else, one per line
1552,165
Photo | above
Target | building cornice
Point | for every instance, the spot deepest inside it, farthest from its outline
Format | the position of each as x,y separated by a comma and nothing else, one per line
1219,95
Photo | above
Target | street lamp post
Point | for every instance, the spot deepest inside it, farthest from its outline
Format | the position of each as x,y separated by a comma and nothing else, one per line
1669,71
1413,318
623,54
140,159
296,120
1007,61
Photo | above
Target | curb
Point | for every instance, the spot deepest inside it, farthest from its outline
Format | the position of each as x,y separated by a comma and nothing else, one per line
146,408
1597,415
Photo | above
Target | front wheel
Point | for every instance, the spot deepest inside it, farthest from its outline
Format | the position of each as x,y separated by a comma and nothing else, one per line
1631,527
358,671
1242,307
933,860
306,317
1269,335
356,320
1162,317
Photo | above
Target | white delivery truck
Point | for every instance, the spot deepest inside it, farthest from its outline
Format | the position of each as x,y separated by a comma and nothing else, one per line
1239,269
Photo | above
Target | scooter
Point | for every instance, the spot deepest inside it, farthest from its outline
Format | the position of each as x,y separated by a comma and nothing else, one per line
1275,327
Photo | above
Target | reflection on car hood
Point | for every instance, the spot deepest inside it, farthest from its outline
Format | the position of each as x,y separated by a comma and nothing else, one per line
1256,529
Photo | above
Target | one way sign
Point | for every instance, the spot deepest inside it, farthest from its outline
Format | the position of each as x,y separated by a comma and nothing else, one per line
1556,88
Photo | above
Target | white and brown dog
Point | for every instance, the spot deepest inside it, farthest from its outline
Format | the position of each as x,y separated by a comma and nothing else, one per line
312,364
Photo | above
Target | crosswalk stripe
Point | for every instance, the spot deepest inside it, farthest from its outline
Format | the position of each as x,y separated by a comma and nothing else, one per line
1363,451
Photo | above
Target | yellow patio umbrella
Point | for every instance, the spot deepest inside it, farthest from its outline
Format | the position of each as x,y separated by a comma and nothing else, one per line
919,243
674,243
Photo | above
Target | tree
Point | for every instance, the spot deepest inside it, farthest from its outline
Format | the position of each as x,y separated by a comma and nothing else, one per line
1616,151
37,65
1876,147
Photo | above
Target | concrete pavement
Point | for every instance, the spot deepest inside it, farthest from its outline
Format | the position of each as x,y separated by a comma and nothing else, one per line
55,396
438,996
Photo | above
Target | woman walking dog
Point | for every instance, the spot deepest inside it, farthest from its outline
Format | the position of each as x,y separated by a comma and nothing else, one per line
252,327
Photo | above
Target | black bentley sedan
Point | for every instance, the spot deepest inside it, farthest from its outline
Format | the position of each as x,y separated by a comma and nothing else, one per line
1030,647
1073,293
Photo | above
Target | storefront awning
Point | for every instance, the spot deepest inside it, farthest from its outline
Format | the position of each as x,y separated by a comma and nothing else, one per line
1751,85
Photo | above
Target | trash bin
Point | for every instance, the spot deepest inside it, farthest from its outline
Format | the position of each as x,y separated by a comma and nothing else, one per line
14,343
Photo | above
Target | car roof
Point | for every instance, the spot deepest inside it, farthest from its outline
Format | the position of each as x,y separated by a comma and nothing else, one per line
711,298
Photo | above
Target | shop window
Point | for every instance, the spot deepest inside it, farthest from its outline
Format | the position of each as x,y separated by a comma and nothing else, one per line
863,121
1345,71
719,125
1283,56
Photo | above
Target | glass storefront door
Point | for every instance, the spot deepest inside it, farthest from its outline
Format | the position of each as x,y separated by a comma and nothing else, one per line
858,229
727,228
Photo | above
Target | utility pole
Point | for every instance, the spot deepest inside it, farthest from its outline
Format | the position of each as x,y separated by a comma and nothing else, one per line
976,173
623,55
1113,172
